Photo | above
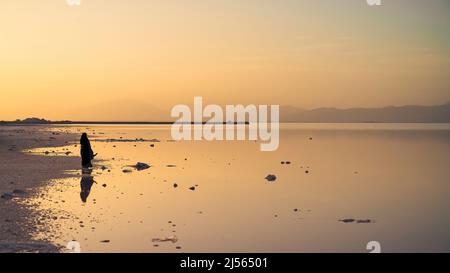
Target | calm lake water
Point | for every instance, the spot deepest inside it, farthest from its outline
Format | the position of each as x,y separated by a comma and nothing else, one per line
395,175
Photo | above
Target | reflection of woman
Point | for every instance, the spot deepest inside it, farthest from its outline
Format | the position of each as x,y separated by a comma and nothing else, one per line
86,151
86,183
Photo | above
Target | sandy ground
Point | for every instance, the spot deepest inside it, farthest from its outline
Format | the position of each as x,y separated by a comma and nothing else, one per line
21,173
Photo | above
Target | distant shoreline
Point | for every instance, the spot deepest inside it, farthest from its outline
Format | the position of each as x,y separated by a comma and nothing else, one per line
111,123
194,123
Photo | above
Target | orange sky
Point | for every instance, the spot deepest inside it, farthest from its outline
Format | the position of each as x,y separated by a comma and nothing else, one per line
134,60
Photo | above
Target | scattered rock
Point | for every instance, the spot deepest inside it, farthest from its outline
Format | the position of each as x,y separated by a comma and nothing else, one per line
13,194
7,196
364,221
141,166
358,221
19,192
192,188
271,178
172,239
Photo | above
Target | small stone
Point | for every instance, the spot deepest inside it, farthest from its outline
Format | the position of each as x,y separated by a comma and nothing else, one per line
141,166
19,192
364,221
271,178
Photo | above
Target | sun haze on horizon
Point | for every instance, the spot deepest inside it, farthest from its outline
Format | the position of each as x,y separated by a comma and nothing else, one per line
134,60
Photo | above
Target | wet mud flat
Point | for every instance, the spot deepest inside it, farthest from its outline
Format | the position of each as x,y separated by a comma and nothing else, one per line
22,174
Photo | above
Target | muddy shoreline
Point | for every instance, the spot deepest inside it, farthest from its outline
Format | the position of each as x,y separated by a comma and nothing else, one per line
23,172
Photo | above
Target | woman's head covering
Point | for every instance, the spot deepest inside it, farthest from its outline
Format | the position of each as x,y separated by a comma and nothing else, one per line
84,139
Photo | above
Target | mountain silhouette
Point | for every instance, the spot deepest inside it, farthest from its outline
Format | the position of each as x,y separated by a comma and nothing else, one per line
390,114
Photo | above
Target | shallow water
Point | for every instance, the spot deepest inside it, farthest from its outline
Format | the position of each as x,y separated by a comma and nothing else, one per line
396,175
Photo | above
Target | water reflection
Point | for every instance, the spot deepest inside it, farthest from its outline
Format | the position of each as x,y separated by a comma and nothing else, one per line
87,180
392,178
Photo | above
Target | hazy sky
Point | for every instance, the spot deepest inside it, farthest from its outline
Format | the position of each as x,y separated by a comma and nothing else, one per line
121,59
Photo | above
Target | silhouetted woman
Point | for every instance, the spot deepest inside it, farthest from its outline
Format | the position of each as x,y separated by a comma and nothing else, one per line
86,151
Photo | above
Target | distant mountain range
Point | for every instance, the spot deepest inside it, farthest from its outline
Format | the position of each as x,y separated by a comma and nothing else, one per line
390,114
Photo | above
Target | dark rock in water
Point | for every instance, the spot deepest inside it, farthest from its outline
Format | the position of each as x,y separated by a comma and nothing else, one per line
104,185
141,166
103,168
175,185
364,221
152,145
282,162
7,196
171,166
172,239
68,153
192,188
347,220
14,193
288,162
19,192
105,241
127,171
178,247
306,171
271,178
295,210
